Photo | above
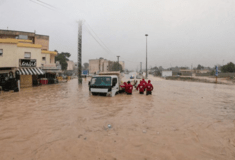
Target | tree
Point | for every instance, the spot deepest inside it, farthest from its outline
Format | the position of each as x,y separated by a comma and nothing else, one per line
230,67
63,58
160,68
86,66
116,66
199,67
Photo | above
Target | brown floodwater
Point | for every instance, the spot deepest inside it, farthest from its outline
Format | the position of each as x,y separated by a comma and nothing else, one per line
179,121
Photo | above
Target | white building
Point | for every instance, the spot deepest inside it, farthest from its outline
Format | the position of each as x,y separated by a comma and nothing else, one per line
166,73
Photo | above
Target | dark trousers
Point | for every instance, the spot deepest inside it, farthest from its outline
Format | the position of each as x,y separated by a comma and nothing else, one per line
141,92
129,93
148,92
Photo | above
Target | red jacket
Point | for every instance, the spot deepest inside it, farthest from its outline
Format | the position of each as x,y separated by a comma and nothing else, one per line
144,83
141,87
149,87
124,86
129,88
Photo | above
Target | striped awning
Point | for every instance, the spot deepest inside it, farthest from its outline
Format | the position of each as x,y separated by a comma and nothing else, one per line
30,71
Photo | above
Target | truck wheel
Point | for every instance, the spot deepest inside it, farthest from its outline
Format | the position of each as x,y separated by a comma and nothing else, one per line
94,94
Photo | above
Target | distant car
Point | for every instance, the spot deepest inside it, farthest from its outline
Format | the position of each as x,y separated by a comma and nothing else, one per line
138,77
132,77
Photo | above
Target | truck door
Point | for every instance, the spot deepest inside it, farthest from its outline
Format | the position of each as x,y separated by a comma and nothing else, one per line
115,87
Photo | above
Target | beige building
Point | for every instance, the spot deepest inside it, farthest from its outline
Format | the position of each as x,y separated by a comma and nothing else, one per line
26,54
70,66
202,71
102,65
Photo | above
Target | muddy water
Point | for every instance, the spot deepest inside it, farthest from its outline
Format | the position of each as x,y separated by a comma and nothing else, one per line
180,121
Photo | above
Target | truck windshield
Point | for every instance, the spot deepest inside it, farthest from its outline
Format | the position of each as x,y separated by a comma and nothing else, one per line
101,81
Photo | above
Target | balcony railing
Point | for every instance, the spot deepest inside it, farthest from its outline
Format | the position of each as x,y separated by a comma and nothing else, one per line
51,66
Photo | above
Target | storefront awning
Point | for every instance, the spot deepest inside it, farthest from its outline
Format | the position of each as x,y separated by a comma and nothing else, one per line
31,71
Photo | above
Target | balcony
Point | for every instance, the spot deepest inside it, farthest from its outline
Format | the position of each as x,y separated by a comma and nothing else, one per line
51,66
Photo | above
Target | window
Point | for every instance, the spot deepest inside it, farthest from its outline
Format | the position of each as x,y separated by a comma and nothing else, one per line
101,81
1,52
27,55
43,58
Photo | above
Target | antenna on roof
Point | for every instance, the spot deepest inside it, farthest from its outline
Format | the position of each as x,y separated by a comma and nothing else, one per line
7,27
34,31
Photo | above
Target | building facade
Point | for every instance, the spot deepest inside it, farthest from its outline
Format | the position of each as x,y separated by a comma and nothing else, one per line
102,65
25,55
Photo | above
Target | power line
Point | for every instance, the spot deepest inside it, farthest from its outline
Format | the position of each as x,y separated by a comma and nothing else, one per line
101,43
97,41
90,30
41,5
46,4
98,37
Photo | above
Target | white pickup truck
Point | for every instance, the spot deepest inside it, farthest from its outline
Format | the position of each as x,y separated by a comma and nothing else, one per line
106,83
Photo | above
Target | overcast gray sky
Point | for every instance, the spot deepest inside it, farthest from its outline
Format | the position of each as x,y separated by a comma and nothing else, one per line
181,32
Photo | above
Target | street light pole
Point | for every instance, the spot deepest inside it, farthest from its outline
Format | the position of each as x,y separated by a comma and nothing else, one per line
118,63
146,58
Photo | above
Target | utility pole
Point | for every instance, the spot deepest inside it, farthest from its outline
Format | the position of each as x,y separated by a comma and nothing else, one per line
118,63
191,70
146,58
80,52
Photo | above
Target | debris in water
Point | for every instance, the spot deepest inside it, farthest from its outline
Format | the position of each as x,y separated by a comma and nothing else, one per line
158,133
144,131
109,125
85,138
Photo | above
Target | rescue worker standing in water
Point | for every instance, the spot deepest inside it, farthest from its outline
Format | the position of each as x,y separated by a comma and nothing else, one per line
141,88
149,88
129,88
124,87
144,83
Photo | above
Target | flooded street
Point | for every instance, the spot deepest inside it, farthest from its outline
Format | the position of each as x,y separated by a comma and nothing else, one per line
180,121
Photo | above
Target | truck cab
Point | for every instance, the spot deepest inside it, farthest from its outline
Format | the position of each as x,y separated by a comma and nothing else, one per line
107,85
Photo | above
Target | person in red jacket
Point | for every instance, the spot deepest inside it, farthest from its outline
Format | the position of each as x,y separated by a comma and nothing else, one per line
129,88
124,87
149,88
141,88
144,83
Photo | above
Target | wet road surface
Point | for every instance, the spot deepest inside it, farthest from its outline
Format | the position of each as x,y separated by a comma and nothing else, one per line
180,121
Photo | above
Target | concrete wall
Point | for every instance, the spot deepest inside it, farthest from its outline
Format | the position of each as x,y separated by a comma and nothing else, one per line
166,73
9,57
48,58
93,66
52,58
220,74
42,40
37,39
35,54
71,65
203,74
12,54
96,65
186,74
226,75
102,65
